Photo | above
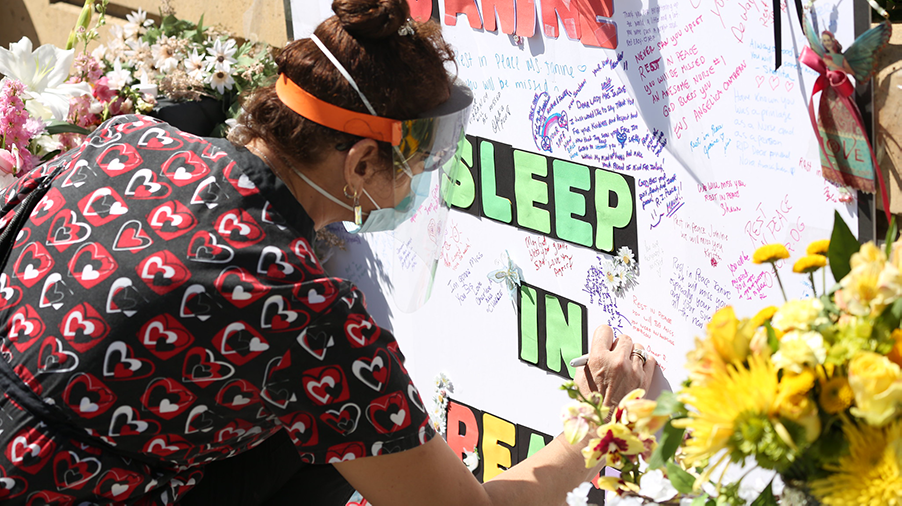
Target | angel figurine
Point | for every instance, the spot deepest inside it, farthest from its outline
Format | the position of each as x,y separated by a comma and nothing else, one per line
847,158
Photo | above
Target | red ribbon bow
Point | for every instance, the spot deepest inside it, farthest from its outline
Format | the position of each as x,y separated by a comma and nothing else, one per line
843,87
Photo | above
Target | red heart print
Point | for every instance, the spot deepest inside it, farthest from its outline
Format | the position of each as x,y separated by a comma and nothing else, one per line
123,298
33,264
126,422
279,316
66,230
239,180
144,185
92,264
29,450
164,336
238,394
52,358
239,286
275,265
344,420
389,413
373,372
118,484
102,206
301,428
157,139
168,446
131,237
119,159
119,363
50,203
201,368
317,295
88,396
204,247
72,472
240,343
10,295
167,398
171,219
345,451
361,330
163,272
24,327
83,327
54,292
325,385
184,168
11,486
238,228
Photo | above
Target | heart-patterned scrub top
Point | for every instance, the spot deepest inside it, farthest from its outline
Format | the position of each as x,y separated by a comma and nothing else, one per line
164,300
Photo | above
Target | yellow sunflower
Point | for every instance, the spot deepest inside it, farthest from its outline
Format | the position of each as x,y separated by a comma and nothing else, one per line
809,263
818,247
770,253
870,474
719,403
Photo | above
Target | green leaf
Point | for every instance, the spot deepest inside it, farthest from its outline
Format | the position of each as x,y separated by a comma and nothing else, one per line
891,234
700,500
772,340
50,155
843,244
62,127
681,480
766,498
668,404
671,437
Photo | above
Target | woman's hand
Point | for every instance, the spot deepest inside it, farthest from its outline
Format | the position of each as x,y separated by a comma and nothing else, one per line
613,369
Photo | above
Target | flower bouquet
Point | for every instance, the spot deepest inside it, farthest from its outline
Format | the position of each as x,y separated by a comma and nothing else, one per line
184,62
807,395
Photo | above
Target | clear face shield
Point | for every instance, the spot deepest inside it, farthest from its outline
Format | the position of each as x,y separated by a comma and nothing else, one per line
426,151
425,160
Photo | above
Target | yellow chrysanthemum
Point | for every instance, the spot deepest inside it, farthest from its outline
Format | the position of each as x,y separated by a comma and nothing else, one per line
770,253
721,401
763,316
895,355
836,394
870,474
809,263
818,247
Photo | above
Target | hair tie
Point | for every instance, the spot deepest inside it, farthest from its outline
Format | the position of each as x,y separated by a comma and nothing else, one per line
406,29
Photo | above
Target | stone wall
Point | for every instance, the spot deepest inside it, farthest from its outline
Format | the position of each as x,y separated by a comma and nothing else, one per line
50,21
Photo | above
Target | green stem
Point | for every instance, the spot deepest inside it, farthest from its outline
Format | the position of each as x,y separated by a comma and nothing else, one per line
813,290
772,264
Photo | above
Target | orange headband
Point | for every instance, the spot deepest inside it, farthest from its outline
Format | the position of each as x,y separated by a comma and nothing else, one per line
337,118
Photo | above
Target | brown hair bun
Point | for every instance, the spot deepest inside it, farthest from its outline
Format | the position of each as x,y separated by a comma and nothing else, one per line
371,19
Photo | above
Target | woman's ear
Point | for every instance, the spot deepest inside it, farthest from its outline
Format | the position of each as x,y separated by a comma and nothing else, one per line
362,163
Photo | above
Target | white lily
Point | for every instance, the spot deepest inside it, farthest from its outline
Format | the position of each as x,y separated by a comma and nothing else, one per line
43,72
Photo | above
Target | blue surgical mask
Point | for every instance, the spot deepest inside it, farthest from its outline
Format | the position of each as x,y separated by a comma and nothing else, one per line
380,219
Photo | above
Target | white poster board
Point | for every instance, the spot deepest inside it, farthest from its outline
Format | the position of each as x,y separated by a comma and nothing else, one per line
562,136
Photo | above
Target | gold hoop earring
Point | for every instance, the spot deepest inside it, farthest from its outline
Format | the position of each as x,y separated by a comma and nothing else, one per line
345,190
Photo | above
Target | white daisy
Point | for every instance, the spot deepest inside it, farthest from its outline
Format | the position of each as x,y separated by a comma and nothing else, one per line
137,22
194,65
612,274
220,55
625,255
164,54
139,53
118,77
220,80
146,84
